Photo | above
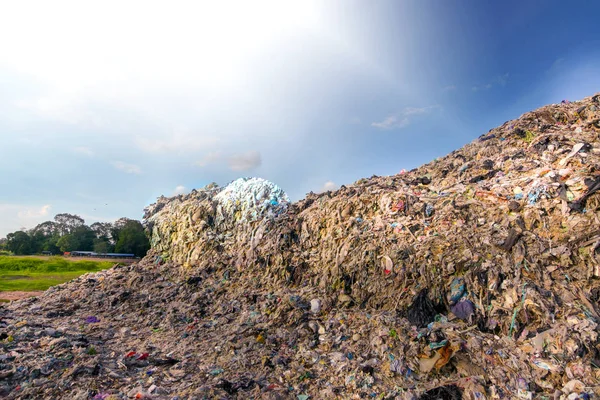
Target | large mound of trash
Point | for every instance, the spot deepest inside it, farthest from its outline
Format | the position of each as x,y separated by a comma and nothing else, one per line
476,276
208,215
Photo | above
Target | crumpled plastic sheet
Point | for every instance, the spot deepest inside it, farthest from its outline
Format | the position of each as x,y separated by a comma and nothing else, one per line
251,198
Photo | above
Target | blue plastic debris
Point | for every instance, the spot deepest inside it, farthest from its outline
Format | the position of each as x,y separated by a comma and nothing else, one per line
463,309
535,194
428,210
437,345
457,290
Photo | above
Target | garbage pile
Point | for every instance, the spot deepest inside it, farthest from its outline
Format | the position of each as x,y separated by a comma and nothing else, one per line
209,215
476,276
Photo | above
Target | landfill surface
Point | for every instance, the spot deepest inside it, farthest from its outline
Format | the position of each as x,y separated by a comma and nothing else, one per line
475,276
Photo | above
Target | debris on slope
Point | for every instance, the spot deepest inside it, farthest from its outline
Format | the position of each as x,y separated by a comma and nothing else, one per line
475,275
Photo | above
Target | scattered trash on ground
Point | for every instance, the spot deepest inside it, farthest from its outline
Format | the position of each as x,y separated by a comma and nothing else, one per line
476,276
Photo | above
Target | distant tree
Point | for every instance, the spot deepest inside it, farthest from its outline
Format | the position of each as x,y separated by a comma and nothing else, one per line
67,243
3,247
85,238
68,222
37,240
103,230
51,244
117,226
48,228
19,243
44,237
121,222
68,232
132,239
102,245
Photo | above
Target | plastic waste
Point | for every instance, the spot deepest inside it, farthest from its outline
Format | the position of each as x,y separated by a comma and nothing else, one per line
421,312
464,309
450,392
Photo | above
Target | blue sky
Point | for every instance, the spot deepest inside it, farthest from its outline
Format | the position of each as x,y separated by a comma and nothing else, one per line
104,107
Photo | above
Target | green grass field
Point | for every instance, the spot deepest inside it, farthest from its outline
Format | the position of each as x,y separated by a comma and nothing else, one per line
31,273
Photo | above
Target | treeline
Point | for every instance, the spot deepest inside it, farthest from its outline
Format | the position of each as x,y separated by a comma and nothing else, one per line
69,232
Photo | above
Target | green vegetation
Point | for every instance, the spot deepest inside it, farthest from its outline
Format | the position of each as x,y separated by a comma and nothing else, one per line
30,273
68,232
51,264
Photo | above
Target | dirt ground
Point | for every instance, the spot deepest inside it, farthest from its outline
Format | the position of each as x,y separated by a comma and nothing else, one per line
18,295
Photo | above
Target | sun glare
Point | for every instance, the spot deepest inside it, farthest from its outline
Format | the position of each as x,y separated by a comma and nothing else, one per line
209,42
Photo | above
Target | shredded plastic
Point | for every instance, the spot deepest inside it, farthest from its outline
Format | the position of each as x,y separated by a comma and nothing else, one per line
250,198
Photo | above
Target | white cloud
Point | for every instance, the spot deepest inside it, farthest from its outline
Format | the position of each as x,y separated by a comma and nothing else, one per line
127,168
482,87
401,120
329,185
449,87
245,161
180,190
418,110
202,47
210,158
84,151
177,143
165,54
29,213
500,80
67,107
17,216
235,162
51,107
391,122
556,65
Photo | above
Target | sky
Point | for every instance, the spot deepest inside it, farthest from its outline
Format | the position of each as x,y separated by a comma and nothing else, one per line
104,106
